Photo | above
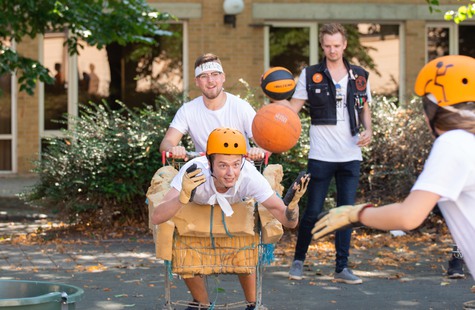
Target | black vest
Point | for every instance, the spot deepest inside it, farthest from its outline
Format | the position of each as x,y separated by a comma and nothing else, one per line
322,94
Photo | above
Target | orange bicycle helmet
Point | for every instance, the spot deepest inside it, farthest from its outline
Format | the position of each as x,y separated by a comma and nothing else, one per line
450,80
226,141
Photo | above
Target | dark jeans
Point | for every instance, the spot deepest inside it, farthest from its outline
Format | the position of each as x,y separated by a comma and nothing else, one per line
346,178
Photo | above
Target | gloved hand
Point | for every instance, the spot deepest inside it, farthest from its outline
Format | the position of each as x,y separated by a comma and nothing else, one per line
191,180
338,218
299,187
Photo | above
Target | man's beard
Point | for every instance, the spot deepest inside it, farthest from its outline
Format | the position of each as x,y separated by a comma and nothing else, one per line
213,95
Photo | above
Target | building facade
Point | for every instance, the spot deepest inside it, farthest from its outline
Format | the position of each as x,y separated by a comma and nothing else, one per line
401,35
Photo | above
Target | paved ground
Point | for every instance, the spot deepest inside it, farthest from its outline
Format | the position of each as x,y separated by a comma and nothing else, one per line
123,273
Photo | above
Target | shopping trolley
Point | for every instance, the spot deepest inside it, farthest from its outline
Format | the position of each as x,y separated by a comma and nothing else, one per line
226,246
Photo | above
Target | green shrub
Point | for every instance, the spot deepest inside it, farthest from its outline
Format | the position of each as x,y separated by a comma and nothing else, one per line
401,143
103,167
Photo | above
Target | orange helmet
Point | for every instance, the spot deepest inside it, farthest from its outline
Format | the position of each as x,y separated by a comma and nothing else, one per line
226,141
450,79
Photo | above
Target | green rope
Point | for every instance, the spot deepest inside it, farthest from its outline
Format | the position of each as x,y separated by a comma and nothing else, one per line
211,227
225,227
266,250
168,265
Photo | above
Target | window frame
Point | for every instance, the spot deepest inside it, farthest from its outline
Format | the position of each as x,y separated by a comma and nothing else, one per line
313,39
72,93
13,136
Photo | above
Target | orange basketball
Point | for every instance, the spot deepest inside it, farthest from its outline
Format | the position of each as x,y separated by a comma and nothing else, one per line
276,128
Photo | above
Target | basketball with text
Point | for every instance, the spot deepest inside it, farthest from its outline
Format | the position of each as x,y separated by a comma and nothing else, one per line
276,128
278,83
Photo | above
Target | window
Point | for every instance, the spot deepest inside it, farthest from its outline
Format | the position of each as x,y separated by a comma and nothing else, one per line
383,45
295,45
93,74
465,40
449,39
438,39
55,95
6,122
291,45
138,73
114,73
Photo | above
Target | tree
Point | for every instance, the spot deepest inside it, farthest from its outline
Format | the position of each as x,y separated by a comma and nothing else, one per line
97,22
464,12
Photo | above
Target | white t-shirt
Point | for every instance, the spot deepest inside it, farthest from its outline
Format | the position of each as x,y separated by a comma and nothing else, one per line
332,143
195,119
251,184
450,172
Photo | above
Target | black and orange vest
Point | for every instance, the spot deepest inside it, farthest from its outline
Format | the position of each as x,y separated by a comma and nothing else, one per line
322,94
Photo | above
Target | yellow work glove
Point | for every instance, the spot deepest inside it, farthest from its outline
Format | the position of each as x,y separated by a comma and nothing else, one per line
299,187
191,180
338,218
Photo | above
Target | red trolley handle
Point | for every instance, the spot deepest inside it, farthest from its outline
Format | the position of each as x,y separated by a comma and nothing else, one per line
192,155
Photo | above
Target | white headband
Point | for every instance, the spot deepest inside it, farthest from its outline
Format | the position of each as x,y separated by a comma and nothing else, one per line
208,66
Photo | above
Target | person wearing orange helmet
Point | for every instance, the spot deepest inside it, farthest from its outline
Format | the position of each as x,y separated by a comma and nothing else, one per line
447,87
224,177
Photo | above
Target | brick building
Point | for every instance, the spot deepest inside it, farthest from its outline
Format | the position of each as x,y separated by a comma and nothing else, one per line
402,33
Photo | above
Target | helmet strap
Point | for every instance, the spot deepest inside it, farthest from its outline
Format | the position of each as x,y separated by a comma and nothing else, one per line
210,160
430,110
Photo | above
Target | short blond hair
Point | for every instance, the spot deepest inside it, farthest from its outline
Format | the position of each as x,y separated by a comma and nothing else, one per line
332,29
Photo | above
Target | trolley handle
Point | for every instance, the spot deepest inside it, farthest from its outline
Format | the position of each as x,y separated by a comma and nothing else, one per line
266,157
190,155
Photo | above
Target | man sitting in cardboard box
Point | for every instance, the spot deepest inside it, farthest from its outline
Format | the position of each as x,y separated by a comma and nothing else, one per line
226,178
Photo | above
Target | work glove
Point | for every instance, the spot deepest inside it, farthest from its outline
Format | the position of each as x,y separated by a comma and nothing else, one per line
338,218
191,180
296,191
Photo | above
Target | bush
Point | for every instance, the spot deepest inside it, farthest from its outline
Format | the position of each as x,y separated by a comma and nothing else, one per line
391,164
401,143
103,167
